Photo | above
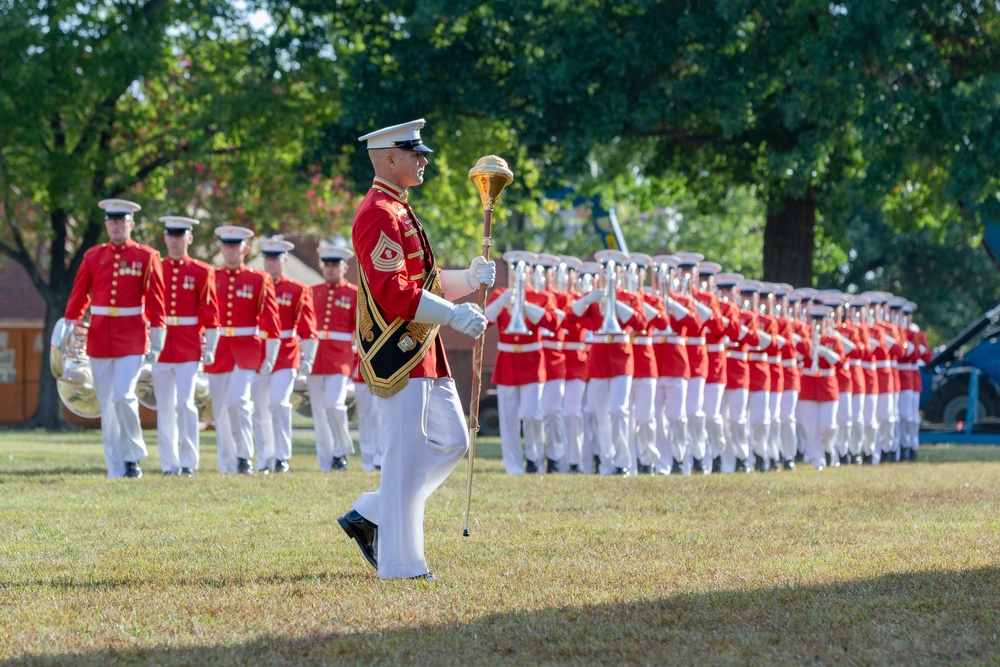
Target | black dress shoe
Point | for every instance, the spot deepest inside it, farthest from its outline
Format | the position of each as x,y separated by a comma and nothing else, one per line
717,464
574,468
645,469
427,576
834,461
169,473
775,465
378,467
826,458
551,466
339,463
698,466
799,457
530,467
597,464
789,464
743,466
133,470
760,466
364,532
264,471
845,460
857,459
621,472
243,467
676,468
913,454
280,466
186,472
866,459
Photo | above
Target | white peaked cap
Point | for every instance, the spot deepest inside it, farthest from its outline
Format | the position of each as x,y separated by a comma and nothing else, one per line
405,136
571,262
593,268
515,256
669,260
640,259
709,268
688,259
750,285
233,234
547,260
728,279
177,222
274,246
119,207
819,312
616,256
331,251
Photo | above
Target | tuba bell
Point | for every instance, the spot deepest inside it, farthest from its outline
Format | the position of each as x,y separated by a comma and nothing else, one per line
71,368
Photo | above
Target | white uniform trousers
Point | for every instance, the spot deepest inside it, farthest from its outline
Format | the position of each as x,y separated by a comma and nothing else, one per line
788,427
671,412
231,409
696,433
734,415
121,431
644,420
608,400
857,438
714,426
573,415
328,398
424,435
272,416
909,419
553,421
897,430
869,445
590,446
819,426
368,442
886,425
176,415
845,422
774,430
758,422
518,409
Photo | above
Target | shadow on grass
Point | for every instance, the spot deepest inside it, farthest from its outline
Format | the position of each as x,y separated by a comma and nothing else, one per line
54,472
66,583
909,618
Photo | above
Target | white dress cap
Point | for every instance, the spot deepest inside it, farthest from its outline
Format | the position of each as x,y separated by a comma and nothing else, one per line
669,260
177,223
589,268
616,256
515,256
273,247
405,136
686,260
709,268
818,312
119,208
640,259
547,260
233,234
329,251
728,279
750,286
571,262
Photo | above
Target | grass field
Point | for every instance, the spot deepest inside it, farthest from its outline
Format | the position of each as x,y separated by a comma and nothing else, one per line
898,564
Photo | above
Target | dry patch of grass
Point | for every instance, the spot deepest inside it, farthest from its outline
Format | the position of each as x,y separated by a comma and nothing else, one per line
895,564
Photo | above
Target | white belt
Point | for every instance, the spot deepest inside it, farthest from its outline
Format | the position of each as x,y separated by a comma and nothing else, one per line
610,338
883,364
893,363
576,347
174,321
715,347
696,341
286,333
868,365
853,362
758,356
238,331
825,373
774,360
115,311
552,345
335,335
738,356
643,340
673,340
909,367
789,363
515,348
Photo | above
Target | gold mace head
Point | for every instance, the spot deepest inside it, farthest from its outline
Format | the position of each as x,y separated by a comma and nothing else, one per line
490,176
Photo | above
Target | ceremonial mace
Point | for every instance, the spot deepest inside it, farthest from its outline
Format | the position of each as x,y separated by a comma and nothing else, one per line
490,176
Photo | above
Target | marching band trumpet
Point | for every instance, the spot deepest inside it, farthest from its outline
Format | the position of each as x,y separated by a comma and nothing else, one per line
518,262
610,324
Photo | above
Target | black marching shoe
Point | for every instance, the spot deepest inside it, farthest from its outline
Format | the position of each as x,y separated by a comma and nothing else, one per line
574,468
551,465
789,464
857,459
775,465
426,576
676,468
799,458
743,466
133,470
760,465
530,467
280,466
264,471
866,459
597,464
717,464
621,472
698,467
243,467
364,532
339,463
168,473
186,472
845,460
833,461
645,469
913,454
905,454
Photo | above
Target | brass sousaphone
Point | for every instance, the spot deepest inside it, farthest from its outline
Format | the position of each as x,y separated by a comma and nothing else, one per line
71,368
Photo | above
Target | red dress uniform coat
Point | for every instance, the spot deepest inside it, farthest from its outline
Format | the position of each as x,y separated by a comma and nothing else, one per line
611,356
336,307
643,357
773,351
822,385
191,307
867,364
112,278
882,360
395,256
713,328
716,343
922,352
845,375
670,344
760,369
552,340
519,367
791,377
576,350
737,364
246,301
296,319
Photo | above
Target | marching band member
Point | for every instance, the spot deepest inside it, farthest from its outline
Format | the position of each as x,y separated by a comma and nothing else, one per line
919,353
758,395
590,459
191,308
896,355
882,343
844,331
520,313
403,297
122,282
863,377
769,317
272,392
794,331
548,268
734,400
819,395
335,301
248,313
575,351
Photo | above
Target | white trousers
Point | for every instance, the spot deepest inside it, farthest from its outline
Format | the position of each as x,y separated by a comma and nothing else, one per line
231,409
573,412
424,435
590,446
774,430
368,442
869,445
644,421
608,401
734,414
714,426
857,423
518,409
272,416
553,420
845,422
671,413
176,415
885,419
909,419
759,421
328,398
819,427
696,433
788,427
121,431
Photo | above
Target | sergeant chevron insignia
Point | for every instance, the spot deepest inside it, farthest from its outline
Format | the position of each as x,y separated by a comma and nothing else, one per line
387,255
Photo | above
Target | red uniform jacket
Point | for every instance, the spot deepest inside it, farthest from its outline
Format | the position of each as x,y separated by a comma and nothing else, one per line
697,343
670,344
577,351
336,307
246,302
643,358
191,307
128,276
518,366
552,340
821,386
791,377
760,368
737,364
883,360
845,374
715,343
611,356
296,319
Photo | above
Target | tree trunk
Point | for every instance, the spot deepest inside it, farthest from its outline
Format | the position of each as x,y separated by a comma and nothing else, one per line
789,240
48,413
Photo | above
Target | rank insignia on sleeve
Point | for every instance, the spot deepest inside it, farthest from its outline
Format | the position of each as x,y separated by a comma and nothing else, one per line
387,255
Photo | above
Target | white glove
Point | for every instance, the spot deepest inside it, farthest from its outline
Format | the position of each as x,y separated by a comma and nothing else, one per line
890,340
873,343
704,312
796,338
624,311
534,312
828,354
494,307
271,347
649,311
845,341
781,340
481,272
466,318
211,342
157,337
765,340
580,305
677,311
743,332
307,349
